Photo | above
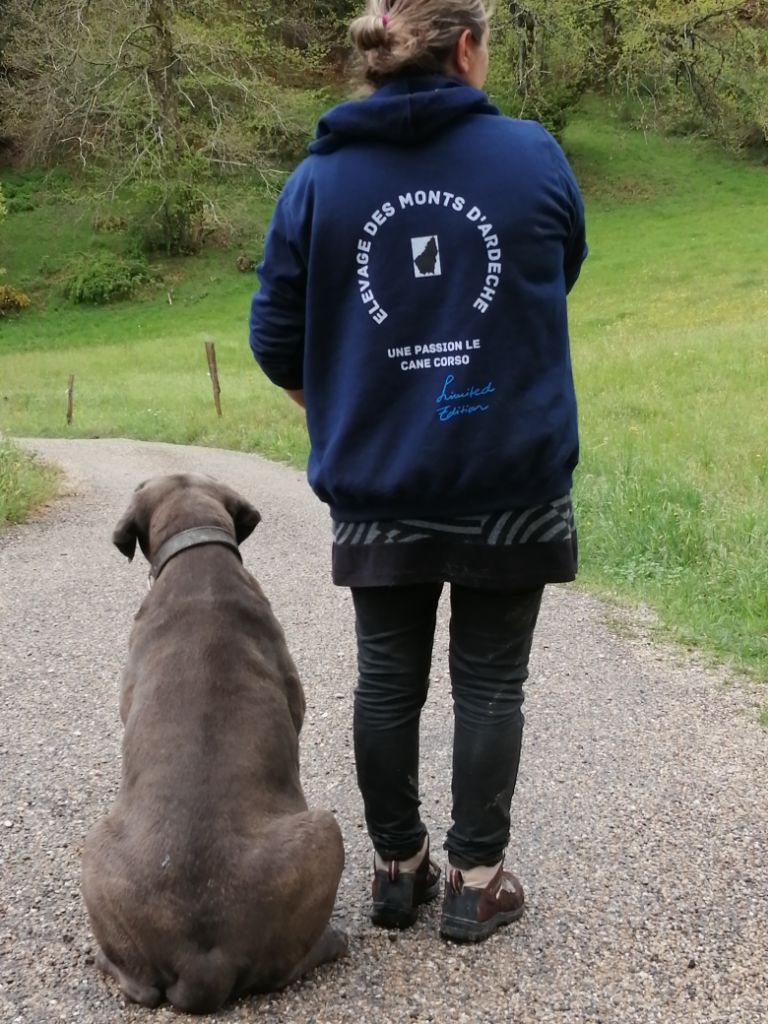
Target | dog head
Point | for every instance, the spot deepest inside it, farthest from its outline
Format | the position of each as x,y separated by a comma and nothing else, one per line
166,505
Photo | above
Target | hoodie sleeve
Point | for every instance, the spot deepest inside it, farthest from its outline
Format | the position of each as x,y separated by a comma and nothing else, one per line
576,248
278,309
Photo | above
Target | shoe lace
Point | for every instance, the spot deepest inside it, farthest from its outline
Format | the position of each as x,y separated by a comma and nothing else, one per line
456,880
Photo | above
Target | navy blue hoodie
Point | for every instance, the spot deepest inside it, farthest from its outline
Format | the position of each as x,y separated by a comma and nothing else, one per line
414,285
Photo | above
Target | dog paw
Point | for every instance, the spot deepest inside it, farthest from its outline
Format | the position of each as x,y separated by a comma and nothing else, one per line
336,941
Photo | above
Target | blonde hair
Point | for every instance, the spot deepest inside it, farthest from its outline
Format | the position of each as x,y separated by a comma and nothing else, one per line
398,37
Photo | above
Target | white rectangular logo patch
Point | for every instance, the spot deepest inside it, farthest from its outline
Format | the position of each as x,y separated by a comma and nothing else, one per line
426,256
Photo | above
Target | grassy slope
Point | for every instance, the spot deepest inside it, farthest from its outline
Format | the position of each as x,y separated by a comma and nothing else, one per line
25,484
140,368
672,368
669,351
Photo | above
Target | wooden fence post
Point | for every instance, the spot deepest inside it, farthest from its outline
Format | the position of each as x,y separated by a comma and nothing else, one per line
70,399
210,351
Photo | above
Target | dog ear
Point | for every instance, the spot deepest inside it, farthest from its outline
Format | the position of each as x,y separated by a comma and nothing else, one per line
126,534
244,516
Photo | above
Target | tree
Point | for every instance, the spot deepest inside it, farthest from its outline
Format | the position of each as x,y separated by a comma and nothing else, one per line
692,65
145,85
541,58
167,90
156,92
700,65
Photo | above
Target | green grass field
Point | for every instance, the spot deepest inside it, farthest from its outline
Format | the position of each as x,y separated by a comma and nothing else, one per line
670,347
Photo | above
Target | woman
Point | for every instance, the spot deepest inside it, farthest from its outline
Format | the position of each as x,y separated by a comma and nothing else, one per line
413,299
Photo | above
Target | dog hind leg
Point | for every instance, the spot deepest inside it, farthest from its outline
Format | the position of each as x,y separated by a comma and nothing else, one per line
332,945
109,901
306,876
135,991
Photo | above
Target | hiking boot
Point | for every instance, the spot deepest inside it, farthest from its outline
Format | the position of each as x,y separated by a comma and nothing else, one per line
397,894
471,914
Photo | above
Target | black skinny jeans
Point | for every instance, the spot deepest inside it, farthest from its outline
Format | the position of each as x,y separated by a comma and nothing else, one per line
490,643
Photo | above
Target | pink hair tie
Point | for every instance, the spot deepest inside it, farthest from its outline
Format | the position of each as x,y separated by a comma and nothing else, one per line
385,19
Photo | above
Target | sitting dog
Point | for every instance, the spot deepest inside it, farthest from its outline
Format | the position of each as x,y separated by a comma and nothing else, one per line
210,878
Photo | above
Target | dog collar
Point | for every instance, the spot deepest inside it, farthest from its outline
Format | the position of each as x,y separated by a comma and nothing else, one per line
193,538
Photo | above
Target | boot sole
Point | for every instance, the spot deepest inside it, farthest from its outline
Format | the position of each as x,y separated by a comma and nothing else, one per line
387,916
392,917
458,930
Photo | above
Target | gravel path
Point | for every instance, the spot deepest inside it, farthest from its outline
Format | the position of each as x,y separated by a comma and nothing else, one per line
640,821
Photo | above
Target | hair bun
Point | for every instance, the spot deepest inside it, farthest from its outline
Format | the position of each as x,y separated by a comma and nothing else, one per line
369,32
413,37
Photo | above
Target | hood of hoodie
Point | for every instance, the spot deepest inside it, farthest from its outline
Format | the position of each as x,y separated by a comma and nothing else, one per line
404,112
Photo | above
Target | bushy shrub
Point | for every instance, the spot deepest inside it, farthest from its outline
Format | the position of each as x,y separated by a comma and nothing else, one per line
169,218
21,204
12,300
538,58
109,222
17,198
25,483
103,277
25,191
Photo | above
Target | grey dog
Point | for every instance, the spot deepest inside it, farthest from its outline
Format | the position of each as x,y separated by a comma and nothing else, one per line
210,878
